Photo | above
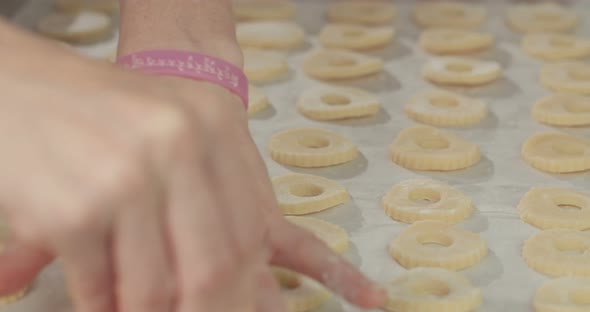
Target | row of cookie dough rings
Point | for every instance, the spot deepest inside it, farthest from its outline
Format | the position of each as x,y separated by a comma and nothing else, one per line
430,273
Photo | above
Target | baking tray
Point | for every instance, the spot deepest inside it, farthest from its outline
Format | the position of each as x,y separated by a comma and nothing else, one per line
496,184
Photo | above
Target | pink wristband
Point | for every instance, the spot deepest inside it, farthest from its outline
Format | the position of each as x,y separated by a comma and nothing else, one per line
189,65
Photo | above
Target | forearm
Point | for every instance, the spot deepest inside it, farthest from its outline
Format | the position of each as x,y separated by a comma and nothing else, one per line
205,26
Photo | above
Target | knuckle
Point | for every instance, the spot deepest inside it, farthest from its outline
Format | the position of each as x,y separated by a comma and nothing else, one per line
157,296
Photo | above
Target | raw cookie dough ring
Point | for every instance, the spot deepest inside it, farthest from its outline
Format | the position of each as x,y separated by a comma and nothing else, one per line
278,35
569,77
563,110
257,100
456,249
449,14
82,27
445,109
461,71
301,293
340,64
264,66
558,252
454,41
334,236
557,153
355,37
362,12
333,103
267,10
555,47
543,207
432,290
541,18
427,148
107,6
420,199
311,148
566,294
299,194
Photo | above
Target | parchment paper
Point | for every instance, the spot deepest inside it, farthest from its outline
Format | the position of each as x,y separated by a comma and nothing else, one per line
496,184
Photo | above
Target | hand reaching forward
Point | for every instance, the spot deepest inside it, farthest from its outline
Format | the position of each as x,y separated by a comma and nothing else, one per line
149,191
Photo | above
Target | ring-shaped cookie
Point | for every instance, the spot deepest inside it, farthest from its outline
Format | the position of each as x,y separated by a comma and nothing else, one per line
449,14
566,294
559,252
299,194
257,100
552,208
454,41
279,35
569,77
437,244
300,292
555,47
340,64
432,290
332,103
563,110
445,109
461,71
419,199
311,148
355,37
557,152
427,148
264,65
542,17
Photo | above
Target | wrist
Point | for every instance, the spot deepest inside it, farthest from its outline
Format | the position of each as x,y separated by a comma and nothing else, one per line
204,26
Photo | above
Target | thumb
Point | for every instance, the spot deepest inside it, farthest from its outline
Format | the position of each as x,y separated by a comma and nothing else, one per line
19,266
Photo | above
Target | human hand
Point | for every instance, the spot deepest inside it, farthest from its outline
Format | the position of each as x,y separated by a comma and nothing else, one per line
149,191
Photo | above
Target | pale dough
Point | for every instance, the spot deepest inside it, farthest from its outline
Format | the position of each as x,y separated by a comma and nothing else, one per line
544,207
264,9
77,27
257,100
557,152
107,6
454,41
355,37
432,290
362,12
332,103
301,292
445,109
420,199
563,110
299,194
334,236
556,47
541,17
264,66
566,294
427,148
311,148
437,244
340,64
270,35
569,77
461,71
449,14
559,252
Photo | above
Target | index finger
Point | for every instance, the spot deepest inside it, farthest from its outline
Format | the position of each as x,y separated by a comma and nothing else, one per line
303,252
